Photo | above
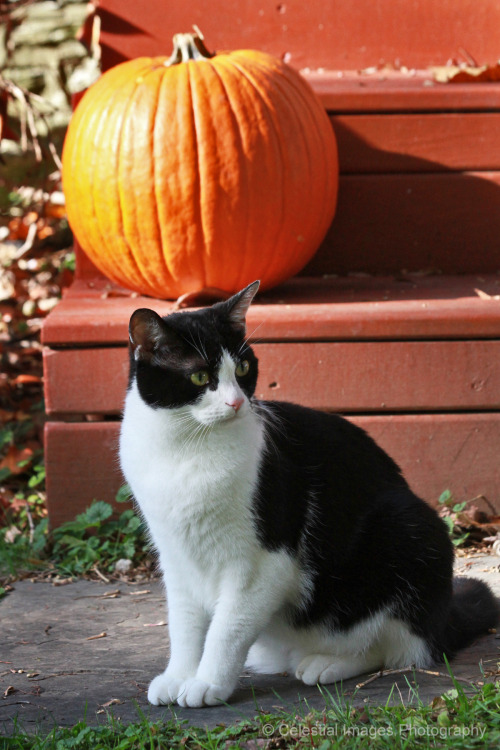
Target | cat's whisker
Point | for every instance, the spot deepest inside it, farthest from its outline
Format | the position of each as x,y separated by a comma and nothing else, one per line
192,439
204,353
250,336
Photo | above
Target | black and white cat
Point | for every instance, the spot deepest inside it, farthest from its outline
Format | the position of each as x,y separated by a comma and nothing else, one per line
288,540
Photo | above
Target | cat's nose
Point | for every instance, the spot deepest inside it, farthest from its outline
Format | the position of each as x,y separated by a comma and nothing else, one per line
236,403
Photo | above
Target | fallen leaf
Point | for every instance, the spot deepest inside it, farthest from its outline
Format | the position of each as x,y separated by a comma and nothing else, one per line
11,689
94,637
112,702
201,297
467,73
27,380
11,534
14,457
483,295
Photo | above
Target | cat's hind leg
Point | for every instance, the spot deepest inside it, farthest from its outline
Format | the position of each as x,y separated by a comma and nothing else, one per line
324,669
379,643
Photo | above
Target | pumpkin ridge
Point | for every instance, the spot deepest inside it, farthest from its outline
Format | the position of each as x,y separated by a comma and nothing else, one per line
73,207
124,191
153,266
143,67
240,279
159,267
91,170
299,115
322,127
315,145
199,180
280,222
109,92
178,204
312,110
77,208
287,111
155,170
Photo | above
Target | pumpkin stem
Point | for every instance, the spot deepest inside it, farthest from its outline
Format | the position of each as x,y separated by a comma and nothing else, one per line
188,47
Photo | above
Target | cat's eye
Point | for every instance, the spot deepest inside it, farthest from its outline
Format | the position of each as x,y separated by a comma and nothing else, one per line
243,368
200,378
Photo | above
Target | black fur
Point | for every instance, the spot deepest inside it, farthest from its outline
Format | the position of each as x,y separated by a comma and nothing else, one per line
331,495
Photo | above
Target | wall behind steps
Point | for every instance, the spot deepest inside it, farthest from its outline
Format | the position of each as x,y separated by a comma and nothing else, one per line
39,52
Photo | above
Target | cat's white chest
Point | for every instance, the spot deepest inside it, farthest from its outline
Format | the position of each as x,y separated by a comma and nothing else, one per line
194,492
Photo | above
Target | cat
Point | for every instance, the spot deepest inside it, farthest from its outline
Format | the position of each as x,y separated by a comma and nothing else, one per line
287,538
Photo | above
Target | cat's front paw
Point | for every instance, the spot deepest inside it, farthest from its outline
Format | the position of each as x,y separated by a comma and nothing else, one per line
165,689
196,693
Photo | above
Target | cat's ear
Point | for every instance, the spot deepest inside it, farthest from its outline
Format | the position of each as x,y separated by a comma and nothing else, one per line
237,306
148,332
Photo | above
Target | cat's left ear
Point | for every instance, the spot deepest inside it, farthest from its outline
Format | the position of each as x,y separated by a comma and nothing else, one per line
237,306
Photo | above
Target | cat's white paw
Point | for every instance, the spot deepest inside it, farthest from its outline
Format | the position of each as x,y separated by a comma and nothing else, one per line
196,693
165,689
319,668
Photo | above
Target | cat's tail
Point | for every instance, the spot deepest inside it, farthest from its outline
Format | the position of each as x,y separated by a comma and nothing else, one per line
474,610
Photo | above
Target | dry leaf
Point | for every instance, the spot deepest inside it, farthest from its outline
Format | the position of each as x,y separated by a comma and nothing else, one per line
11,689
483,295
27,380
112,702
201,297
14,457
467,73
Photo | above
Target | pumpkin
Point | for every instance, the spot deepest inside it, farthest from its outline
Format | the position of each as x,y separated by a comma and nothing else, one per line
200,171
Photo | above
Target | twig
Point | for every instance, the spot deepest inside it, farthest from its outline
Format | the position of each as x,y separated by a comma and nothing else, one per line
101,575
28,512
390,672
28,115
27,245
55,155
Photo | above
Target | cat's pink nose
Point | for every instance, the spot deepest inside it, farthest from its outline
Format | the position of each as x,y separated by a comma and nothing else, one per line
236,403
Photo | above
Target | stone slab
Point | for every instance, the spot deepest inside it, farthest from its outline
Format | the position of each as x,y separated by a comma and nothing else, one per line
49,632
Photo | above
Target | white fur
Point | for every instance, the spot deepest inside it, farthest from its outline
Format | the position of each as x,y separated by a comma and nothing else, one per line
193,471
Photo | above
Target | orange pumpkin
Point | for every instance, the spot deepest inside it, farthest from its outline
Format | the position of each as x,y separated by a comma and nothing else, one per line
200,171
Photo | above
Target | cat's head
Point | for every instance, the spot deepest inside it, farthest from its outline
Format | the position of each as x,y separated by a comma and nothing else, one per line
196,361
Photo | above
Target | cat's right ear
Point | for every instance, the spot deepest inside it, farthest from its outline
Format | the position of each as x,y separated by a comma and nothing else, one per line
237,306
147,333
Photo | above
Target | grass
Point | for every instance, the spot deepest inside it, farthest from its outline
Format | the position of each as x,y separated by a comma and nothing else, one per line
95,538
453,720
